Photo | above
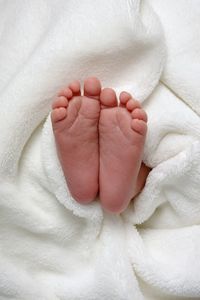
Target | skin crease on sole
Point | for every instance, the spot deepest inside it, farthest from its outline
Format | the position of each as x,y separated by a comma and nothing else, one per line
100,143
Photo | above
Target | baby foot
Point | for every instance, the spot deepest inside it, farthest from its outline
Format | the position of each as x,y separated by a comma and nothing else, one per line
75,121
122,132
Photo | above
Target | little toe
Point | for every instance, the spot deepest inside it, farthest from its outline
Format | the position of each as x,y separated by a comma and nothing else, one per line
108,98
133,104
139,114
60,102
58,114
139,126
67,92
124,97
75,87
92,87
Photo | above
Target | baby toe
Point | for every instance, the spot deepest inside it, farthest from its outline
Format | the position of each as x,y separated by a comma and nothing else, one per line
139,114
139,126
58,114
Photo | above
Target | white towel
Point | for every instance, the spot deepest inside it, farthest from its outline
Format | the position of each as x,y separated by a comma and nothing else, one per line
51,247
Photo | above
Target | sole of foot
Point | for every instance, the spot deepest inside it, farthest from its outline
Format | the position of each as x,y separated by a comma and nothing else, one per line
122,132
75,121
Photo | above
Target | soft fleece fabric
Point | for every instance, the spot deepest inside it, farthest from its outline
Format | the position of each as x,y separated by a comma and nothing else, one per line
52,248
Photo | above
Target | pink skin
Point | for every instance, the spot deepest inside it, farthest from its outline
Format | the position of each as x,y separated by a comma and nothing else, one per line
100,144
122,131
75,124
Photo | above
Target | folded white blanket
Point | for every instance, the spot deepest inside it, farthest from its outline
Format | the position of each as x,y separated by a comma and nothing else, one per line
51,247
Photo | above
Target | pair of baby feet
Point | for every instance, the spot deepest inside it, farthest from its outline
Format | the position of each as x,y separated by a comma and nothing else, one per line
100,143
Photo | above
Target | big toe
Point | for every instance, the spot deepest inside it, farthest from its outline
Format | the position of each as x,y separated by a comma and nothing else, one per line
108,98
92,87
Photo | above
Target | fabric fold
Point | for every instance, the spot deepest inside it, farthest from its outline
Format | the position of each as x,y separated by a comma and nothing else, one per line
51,247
